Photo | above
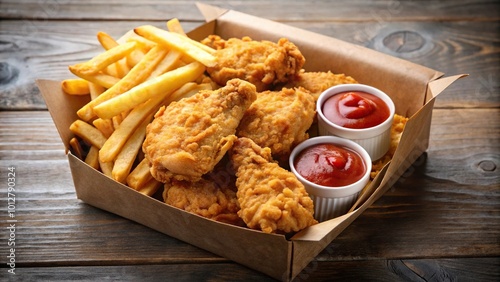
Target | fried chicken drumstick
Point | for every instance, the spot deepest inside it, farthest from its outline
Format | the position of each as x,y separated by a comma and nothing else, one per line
189,137
271,198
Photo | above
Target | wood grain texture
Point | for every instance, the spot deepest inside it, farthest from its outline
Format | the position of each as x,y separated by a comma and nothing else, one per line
453,48
282,10
439,221
481,269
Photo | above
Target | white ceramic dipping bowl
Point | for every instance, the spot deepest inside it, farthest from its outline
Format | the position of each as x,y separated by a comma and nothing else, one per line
376,140
330,202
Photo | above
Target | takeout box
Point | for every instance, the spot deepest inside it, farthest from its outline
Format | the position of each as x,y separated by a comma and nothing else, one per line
412,87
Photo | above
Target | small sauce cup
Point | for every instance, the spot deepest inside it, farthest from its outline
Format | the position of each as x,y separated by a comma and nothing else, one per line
375,138
332,201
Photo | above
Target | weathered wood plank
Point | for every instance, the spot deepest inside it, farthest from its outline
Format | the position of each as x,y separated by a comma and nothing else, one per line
47,50
289,10
478,269
27,136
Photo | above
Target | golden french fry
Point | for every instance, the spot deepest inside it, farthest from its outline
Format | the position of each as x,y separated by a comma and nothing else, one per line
150,188
95,90
140,175
102,79
105,126
107,42
175,26
116,121
161,86
76,86
125,159
104,59
125,114
120,68
88,133
181,92
177,42
193,91
134,58
136,75
111,70
106,168
92,158
115,142
76,147
143,44
200,45
143,47
167,64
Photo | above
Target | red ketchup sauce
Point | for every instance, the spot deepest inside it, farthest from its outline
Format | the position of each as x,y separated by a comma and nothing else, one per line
330,165
354,109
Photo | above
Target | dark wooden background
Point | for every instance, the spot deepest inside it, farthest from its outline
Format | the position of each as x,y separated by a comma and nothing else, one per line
440,221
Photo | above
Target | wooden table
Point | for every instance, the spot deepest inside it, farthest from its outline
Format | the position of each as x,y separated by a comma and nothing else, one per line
441,221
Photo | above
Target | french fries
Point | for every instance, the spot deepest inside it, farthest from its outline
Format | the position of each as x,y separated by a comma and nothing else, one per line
125,159
103,60
88,133
75,86
140,175
136,75
177,42
128,82
175,26
153,88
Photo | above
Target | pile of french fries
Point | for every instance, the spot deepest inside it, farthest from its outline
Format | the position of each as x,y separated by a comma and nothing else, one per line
127,83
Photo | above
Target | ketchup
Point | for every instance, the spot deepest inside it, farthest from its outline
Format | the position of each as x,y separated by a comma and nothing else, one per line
355,109
330,165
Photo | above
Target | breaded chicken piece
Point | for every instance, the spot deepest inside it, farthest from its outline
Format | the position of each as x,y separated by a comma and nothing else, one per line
398,125
317,82
205,198
279,120
271,198
189,137
263,63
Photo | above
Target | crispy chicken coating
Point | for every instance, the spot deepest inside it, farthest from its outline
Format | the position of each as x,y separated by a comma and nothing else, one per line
317,82
271,198
398,125
279,120
189,137
263,63
205,198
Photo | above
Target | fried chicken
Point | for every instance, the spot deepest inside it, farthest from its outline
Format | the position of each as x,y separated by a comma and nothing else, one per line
271,198
317,82
263,63
279,120
398,125
205,198
189,137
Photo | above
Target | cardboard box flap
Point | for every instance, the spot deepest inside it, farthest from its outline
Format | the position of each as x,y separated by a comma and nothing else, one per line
437,86
210,13
62,107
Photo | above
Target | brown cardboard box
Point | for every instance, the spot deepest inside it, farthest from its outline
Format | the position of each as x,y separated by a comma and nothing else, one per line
412,87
